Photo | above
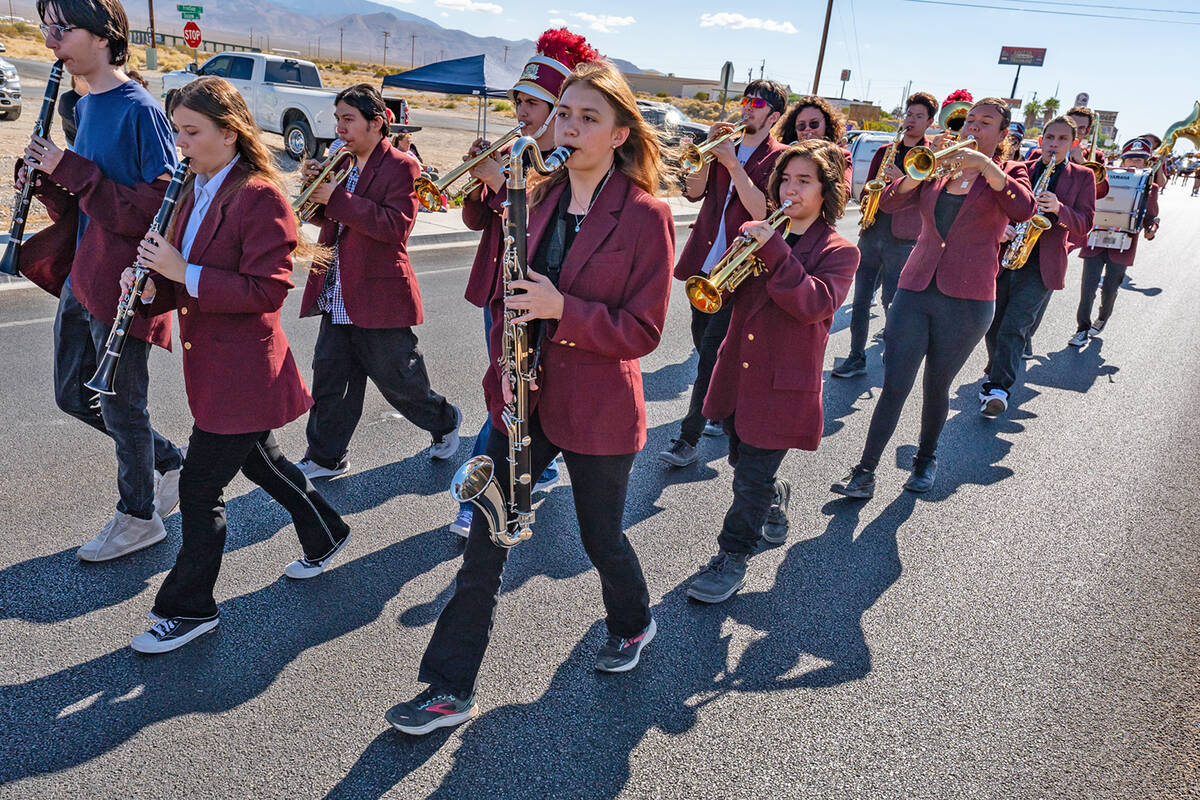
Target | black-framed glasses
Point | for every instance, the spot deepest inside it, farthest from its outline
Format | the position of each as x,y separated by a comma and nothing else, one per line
813,124
56,31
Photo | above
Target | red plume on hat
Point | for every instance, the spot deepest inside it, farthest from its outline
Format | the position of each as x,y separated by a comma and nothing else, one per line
958,96
559,51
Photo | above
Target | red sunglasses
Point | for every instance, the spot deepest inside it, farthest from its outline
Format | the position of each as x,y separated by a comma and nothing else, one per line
754,102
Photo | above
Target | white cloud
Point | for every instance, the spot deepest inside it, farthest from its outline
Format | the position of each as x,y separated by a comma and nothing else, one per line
554,11
738,22
558,22
604,23
469,5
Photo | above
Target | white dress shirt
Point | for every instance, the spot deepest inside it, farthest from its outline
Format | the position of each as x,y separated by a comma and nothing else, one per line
204,190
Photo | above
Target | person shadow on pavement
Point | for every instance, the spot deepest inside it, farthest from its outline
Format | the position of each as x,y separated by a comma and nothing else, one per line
577,739
1075,369
72,716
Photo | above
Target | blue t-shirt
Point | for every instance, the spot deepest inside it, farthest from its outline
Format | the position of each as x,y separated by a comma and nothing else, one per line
125,133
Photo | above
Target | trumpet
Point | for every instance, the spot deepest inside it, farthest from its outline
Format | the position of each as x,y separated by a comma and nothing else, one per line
874,188
692,158
305,208
429,193
708,294
473,184
922,163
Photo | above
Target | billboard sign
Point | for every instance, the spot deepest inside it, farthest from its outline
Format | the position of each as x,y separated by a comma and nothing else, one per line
1023,56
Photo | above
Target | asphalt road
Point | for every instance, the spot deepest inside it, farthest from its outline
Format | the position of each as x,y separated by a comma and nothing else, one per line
1026,630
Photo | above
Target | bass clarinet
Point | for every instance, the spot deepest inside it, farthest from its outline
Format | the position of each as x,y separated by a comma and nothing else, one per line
102,381
510,521
16,231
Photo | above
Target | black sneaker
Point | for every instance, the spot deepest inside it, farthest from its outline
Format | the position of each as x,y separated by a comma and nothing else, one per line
172,633
775,529
850,367
859,484
723,576
924,472
621,655
431,709
679,454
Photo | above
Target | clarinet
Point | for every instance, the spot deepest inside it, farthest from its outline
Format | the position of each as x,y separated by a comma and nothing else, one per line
510,521
102,381
16,231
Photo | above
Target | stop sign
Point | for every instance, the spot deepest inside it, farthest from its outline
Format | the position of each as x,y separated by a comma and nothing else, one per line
191,34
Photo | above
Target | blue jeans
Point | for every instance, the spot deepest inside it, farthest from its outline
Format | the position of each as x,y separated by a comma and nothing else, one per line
481,439
78,341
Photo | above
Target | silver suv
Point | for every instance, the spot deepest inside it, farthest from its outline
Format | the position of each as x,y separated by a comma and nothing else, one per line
10,91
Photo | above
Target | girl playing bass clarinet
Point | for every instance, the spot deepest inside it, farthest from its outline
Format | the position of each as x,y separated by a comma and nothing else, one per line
226,265
601,248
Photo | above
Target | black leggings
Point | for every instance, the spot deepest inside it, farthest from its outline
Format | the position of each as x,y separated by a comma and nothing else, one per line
939,330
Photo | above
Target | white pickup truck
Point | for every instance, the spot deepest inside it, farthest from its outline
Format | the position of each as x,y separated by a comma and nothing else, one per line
285,96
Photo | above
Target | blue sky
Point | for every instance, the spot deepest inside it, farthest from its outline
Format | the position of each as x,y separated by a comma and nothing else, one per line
1145,70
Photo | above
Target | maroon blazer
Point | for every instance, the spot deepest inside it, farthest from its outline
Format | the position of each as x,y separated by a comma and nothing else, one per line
1075,187
1125,257
483,213
237,366
119,217
709,220
379,288
768,370
616,280
966,263
906,224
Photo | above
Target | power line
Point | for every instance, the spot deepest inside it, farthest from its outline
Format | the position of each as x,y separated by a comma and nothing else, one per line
1125,18
1103,5
858,50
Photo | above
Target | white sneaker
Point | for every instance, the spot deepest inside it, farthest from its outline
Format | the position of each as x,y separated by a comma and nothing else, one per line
166,491
447,445
461,526
123,535
1097,327
1079,339
993,404
712,428
302,568
312,469
171,634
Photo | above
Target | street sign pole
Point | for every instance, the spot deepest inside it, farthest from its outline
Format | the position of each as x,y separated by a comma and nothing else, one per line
1013,93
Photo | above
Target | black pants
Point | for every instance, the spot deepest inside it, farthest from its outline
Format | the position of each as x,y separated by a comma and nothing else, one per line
754,471
212,462
883,256
344,357
599,484
708,331
939,330
78,340
1113,273
1020,298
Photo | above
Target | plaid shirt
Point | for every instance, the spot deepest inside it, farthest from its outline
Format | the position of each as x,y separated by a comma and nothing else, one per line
330,300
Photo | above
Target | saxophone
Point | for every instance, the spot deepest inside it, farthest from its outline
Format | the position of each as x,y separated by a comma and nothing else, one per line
510,517
874,189
1021,246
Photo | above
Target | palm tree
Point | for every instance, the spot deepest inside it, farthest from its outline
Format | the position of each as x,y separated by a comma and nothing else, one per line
1049,109
1032,109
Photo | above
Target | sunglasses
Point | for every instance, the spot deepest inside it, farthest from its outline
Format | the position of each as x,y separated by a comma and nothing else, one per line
813,124
57,32
754,102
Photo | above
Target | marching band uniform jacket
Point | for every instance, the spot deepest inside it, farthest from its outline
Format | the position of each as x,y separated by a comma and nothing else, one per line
379,288
768,370
1075,188
482,212
119,218
237,365
965,264
707,226
616,281
906,223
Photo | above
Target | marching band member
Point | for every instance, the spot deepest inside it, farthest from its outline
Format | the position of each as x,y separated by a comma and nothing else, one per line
225,264
102,195
947,288
766,385
1069,203
1109,262
533,97
599,248
733,189
368,298
815,118
886,244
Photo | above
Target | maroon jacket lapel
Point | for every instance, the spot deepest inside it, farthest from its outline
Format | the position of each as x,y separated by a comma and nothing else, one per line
539,218
601,220
216,211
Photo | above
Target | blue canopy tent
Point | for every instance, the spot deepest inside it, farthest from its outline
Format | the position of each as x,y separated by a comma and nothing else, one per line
474,75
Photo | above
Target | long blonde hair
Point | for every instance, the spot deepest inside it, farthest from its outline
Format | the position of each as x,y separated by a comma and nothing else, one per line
640,156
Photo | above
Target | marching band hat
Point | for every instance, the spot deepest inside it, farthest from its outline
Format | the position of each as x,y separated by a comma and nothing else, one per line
1137,148
1018,128
558,51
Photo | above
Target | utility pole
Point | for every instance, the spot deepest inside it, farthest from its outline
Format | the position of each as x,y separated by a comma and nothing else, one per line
151,53
341,33
505,46
318,48
412,53
821,54
762,68
386,35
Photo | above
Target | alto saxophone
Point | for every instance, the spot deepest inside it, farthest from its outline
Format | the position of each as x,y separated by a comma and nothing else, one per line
1021,246
874,188
510,517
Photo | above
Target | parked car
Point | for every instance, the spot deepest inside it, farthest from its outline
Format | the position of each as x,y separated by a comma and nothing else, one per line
862,150
10,91
285,95
671,122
